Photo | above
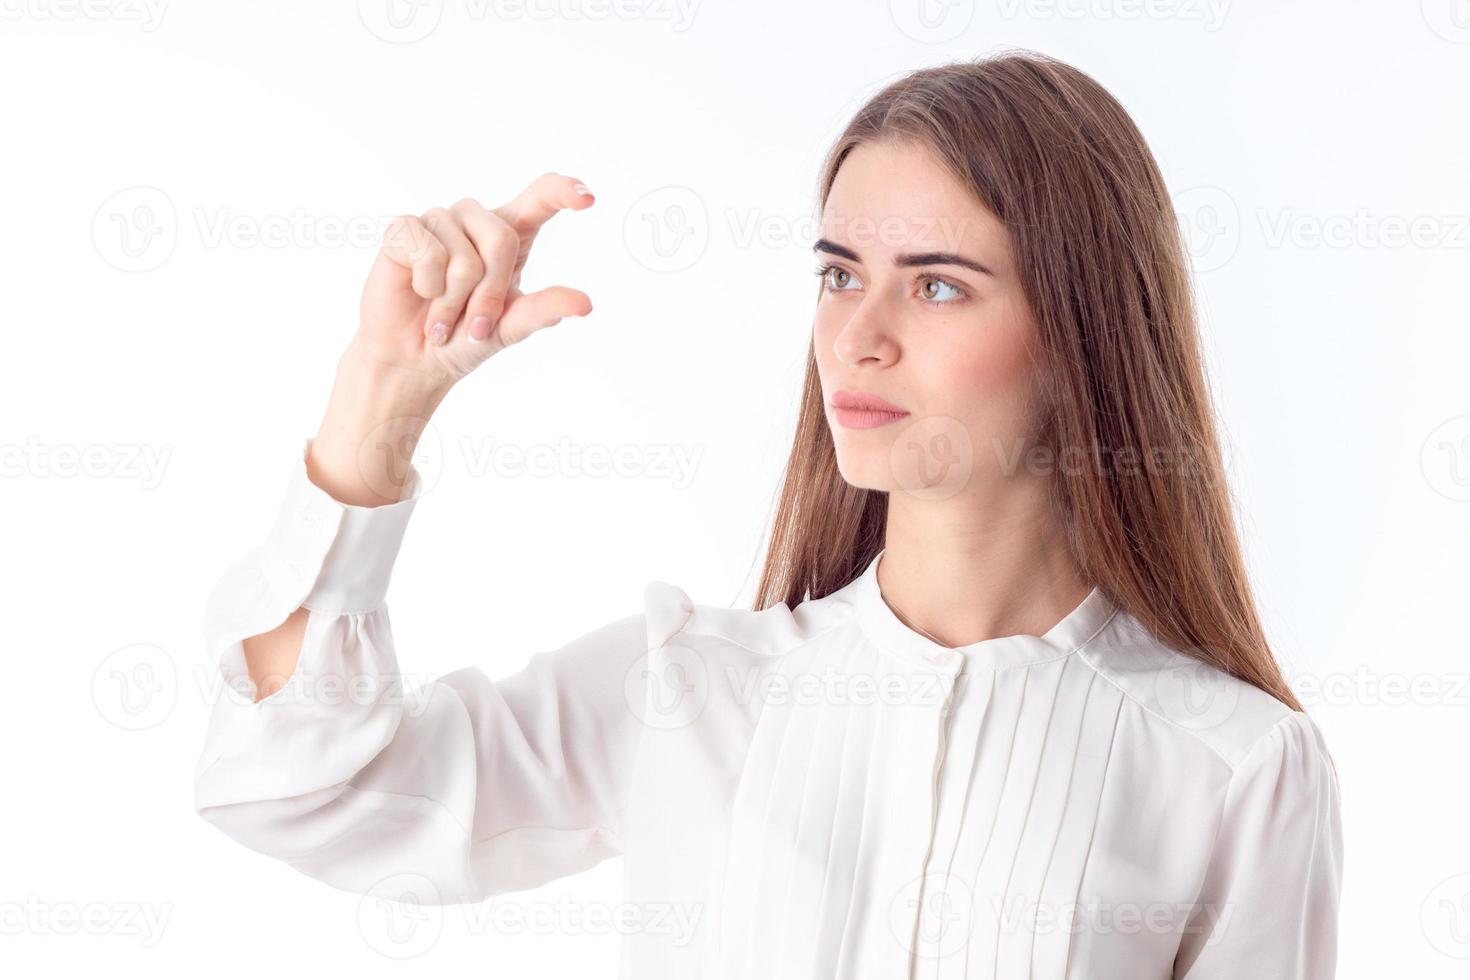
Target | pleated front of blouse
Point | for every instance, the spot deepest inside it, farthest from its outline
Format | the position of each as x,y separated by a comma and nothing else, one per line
831,820
1023,807
1019,791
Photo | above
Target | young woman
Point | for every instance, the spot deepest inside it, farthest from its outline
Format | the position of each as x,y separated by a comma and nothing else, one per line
1003,707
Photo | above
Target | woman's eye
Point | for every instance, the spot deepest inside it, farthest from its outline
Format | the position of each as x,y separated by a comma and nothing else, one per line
836,278
936,290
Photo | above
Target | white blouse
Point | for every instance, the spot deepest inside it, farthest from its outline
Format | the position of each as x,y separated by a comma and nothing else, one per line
815,792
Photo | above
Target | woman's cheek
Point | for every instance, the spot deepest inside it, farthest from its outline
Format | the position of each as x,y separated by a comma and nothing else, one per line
989,388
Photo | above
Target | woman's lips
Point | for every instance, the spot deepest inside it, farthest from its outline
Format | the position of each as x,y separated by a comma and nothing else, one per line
858,410
859,418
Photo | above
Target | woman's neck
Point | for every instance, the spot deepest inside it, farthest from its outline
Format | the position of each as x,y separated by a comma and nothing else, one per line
964,569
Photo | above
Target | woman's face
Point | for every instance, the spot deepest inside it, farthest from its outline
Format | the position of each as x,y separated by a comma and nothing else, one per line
921,307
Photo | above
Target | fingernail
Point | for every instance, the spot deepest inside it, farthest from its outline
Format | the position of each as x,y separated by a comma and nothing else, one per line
480,329
439,334
581,188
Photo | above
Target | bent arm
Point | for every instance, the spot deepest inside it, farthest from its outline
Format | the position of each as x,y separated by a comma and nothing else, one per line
453,790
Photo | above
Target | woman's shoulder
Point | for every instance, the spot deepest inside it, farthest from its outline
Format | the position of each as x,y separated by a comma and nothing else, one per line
1194,700
672,616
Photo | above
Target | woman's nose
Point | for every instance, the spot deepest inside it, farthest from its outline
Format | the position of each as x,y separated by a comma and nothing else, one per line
867,335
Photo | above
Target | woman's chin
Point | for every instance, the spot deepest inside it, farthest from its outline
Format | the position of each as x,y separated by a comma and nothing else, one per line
866,468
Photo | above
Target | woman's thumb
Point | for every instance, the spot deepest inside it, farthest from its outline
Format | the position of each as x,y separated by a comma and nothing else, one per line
530,312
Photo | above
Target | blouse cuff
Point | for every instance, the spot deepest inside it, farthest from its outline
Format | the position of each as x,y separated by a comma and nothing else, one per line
339,556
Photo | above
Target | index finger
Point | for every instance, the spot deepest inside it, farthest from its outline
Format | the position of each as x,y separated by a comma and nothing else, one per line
542,198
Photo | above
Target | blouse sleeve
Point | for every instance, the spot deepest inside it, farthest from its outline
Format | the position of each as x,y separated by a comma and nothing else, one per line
451,791
1269,905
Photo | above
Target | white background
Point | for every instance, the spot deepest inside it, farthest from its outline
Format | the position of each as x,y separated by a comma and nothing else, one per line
1317,152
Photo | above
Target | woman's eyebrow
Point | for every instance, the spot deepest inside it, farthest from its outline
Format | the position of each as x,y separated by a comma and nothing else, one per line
919,258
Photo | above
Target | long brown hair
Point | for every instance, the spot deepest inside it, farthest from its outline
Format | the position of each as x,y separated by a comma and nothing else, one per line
1057,159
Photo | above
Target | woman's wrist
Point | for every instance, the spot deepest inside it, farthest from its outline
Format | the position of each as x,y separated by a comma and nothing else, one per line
372,424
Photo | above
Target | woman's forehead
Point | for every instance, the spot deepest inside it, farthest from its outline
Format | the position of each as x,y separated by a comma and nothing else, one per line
898,197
